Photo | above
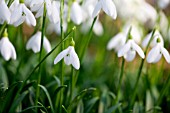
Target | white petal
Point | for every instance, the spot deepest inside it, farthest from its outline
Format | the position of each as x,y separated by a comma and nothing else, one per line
146,40
109,8
153,54
47,45
124,49
159,56
4,12
29,15
61,55
40,12
7,49
16,14
67,60
74,59
98,28
138,50
54,17
117,41
165,54
19,21
34,42
96,10
76,13
130,55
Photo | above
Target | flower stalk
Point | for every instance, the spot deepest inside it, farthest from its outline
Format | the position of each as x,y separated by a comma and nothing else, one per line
41,47
140,71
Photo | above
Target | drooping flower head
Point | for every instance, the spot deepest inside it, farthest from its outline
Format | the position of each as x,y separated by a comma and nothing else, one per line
21,13
128,51
70,57
157,51
6,48
107,6
34,43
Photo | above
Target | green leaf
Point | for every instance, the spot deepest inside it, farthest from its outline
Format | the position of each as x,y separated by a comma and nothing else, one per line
80,96
90,104
17,102
48,96
3,78
59,88
113,108
7,97
64,108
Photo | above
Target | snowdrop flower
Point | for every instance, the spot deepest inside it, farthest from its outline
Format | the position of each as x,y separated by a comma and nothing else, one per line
70,57
4,12
119,40
51,7
108,7
6,48
154,41
156,53
76,13
54,17
34,43
20,14
129,50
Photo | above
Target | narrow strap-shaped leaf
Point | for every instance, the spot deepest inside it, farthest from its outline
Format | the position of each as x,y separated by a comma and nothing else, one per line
17,102
113,108
48,96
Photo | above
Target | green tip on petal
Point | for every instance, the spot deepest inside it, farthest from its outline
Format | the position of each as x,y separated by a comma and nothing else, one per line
158,40
72,43
21,1
5,33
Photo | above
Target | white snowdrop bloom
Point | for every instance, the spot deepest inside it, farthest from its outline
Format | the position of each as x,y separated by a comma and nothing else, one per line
34,43
87,8
117,41
54,17
154,41
129,50
156,53
38,6
70,57
7,49
108,7
14,5
51,7
163,3
136,31
20,14
4,12
76,13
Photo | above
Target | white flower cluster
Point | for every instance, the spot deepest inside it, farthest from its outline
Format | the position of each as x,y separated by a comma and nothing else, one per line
127,47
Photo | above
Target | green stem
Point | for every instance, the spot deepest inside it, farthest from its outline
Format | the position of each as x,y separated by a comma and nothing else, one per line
120,80
71,85
41,48
87,40
62,48
140,71
163,91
